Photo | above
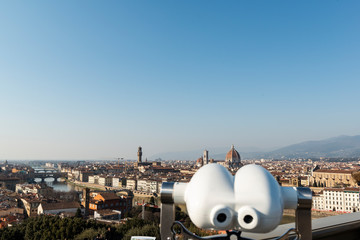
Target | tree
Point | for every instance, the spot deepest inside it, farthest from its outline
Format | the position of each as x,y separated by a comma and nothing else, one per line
29,232
49,227
134,212
147,230
90,233
78,213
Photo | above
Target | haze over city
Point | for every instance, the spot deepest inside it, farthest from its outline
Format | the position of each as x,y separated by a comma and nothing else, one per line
95,80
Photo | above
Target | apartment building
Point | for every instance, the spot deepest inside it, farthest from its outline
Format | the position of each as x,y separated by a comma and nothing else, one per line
337,199
142,185
94,179
105,181
318,201
115,182
131,184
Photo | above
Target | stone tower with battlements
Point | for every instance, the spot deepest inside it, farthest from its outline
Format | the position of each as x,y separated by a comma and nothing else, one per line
139,153
206,157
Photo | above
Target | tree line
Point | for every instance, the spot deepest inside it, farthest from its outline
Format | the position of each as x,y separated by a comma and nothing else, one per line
54,227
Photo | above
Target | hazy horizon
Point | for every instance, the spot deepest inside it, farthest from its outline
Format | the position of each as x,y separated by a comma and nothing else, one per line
95,80
190,155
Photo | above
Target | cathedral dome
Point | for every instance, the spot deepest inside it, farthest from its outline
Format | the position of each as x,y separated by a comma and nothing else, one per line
233,155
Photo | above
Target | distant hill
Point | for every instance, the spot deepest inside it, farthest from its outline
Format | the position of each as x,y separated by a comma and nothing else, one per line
342,146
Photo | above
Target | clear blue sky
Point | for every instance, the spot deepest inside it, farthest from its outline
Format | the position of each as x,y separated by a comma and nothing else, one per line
96,79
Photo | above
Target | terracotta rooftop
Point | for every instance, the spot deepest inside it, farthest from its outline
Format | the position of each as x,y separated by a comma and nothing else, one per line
104,212
60,205
333,171
232,155
109,195
342,189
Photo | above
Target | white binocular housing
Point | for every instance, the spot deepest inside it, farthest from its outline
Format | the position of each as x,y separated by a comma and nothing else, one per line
250,201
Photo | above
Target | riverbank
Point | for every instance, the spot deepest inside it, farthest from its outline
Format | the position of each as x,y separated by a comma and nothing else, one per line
82,185
99,187
139,197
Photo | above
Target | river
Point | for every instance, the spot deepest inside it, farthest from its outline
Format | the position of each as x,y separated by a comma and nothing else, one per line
58,186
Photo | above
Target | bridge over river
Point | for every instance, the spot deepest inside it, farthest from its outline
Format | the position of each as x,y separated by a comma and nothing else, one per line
46,173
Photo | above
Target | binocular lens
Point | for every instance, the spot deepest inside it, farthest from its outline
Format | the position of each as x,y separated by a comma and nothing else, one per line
248,219
221,217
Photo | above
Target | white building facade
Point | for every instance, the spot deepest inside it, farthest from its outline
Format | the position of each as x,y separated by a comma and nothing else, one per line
337,199
131,184
94,179
105,181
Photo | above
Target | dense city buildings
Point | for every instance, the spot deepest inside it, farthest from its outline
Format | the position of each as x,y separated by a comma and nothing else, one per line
115,187
108,200
232,159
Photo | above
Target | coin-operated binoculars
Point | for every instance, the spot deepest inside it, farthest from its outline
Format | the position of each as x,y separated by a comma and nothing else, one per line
251,201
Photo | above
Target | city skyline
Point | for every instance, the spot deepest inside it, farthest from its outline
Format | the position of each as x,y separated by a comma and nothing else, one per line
97,80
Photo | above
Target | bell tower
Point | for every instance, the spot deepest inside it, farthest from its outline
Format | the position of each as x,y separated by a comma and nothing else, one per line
139,153
206,157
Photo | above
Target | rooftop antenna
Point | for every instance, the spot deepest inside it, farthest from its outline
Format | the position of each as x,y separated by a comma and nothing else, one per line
119,161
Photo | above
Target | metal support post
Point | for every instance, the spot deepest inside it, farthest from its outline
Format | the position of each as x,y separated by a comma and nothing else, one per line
167,214
303,213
